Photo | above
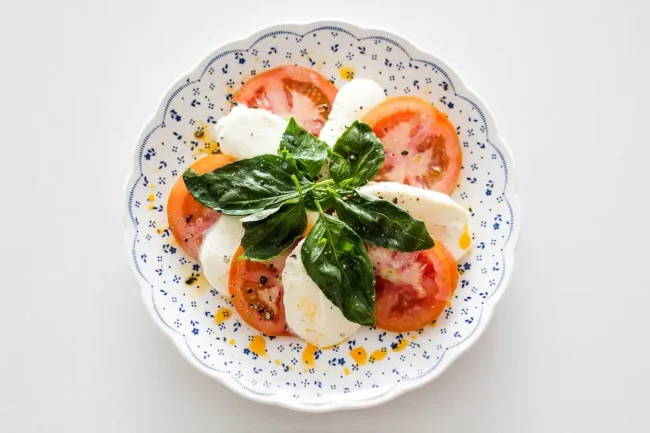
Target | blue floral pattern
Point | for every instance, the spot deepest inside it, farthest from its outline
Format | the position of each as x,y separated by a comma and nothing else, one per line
374,365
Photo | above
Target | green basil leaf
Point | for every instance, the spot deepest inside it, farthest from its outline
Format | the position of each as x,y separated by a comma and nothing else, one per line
321,195
246,186
336,259
307,151
260,215
357,156
339,168
380,222
268,238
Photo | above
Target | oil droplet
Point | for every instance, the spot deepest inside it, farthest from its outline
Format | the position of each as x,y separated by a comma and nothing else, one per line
412,337
150,207
378,355
258,345
359,355
207,144
232,342
401,345
222,315
346,72
346,371
200,284
278,362
309,355
150,197
465,239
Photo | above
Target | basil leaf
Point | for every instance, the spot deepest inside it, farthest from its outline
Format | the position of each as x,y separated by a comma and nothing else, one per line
336,259
260,215
308,152
268,238
321,195
246,186
357,156
380,222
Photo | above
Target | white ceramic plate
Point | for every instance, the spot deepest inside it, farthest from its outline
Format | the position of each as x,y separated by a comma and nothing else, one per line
374,366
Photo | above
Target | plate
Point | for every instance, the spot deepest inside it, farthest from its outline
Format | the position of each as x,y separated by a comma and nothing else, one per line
374,366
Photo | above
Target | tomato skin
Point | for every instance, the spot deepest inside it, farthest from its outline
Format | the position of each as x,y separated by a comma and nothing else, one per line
421,145
257,284
291,91
187,218
400,306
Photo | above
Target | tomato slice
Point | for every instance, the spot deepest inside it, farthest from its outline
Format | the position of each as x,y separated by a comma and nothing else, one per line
256,290
412,288
421,145
187,218
291,91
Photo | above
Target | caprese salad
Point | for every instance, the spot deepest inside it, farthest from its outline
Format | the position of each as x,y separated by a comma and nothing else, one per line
324,210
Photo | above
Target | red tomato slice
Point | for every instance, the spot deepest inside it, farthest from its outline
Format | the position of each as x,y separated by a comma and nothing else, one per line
412,288
256,290
291,91
187,218
421,145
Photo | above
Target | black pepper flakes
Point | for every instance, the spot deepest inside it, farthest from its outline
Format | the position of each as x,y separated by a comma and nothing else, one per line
198,133
293,256
263,279
395,200
405,152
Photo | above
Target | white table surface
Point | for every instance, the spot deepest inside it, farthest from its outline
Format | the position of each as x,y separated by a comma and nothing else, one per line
568,349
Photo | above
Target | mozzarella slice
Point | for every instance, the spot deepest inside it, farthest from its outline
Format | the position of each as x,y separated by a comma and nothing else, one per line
248,132
446,220
219,244
352,102
310,315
